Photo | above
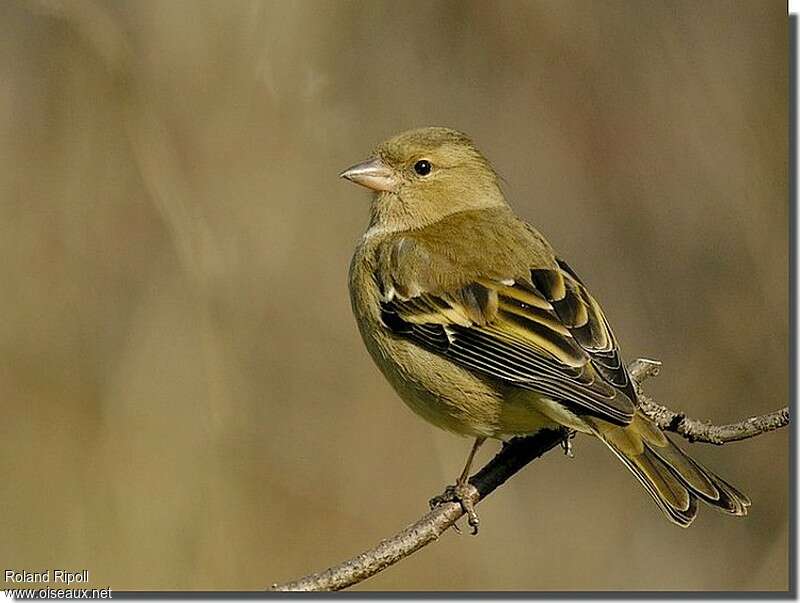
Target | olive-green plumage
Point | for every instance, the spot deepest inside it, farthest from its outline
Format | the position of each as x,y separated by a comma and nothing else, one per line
484,331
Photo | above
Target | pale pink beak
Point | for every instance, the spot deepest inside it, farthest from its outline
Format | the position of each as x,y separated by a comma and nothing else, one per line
372,173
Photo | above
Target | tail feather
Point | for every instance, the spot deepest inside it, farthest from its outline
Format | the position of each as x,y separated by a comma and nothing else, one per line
670,476
721,495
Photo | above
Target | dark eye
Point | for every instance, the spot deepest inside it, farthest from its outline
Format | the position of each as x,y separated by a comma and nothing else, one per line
422,167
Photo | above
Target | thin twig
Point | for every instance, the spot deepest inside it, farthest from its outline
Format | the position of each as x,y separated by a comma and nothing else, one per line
513,457
695,430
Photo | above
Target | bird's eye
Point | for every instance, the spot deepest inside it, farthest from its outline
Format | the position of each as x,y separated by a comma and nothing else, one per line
422,167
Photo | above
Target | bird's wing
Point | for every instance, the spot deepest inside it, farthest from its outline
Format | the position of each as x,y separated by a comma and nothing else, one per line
545,333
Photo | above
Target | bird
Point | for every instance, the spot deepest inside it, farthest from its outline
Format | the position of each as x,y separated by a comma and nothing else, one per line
484,331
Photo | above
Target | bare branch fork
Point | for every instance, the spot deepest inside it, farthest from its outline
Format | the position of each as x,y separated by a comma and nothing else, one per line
512,457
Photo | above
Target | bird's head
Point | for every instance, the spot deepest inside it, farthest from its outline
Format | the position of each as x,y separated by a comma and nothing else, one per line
423,175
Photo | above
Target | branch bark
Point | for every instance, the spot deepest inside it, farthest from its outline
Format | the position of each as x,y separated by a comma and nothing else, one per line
514,455
693,429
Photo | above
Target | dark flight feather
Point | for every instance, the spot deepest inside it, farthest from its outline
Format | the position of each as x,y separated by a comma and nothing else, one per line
545,333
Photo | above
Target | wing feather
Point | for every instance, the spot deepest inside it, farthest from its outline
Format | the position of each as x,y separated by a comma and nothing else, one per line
536,328
488,329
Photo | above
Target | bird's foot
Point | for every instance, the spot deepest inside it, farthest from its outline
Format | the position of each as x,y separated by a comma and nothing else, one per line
566,444
462,494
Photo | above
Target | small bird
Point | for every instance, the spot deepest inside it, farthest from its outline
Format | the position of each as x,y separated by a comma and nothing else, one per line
484,331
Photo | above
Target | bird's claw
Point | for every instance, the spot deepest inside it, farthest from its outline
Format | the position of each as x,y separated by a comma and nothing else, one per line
566,444
461,494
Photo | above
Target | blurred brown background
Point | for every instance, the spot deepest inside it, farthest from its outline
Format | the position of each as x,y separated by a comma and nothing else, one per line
186,401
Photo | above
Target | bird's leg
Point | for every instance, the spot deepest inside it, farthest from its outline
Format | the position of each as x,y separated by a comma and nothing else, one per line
566,443
460,491
465,473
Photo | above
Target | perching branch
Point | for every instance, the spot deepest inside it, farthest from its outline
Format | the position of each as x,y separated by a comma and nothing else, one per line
514,456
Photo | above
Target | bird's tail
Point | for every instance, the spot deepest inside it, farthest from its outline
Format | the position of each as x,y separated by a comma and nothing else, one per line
674,480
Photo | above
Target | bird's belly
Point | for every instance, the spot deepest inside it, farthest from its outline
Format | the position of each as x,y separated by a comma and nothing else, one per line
456,399
439,391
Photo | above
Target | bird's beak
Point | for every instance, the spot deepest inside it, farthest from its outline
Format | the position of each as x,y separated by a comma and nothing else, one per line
372,173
